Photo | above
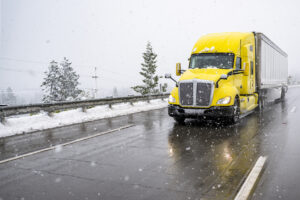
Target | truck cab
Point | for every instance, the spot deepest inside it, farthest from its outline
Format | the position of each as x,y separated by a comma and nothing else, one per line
220,81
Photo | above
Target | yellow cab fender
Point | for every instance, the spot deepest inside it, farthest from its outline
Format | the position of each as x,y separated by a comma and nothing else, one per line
225,90
174,94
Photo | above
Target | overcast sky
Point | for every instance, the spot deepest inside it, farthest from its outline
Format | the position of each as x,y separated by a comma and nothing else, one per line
111,35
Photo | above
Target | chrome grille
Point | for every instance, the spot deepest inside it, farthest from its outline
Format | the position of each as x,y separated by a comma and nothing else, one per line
203,93
186,91
196,93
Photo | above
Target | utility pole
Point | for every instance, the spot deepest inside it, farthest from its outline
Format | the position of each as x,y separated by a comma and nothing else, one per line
96,87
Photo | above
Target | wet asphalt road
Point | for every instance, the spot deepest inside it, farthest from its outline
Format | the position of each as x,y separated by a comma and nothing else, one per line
157,158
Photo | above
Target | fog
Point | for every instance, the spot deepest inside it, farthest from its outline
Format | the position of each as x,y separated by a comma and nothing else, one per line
112,35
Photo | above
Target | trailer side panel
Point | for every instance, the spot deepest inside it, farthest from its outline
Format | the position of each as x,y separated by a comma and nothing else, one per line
272,64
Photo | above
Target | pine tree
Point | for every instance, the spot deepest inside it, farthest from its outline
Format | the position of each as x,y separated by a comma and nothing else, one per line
50,85
164,87
69,81
84,95
8,97
61,82
148,72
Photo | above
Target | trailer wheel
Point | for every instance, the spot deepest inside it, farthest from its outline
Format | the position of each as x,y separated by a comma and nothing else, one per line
236,111
261,101
261,104
282,97
179,120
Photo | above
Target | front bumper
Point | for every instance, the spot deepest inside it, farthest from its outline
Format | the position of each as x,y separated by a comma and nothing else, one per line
216,111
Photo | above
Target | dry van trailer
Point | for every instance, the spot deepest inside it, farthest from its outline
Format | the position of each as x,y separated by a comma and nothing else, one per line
271,70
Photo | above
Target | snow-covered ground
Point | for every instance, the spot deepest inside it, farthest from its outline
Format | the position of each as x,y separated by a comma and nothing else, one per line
26,123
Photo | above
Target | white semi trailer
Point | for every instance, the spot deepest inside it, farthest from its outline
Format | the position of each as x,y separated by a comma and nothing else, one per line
271,70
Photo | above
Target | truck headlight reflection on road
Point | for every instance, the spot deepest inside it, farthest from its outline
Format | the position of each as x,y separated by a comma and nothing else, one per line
170,151
227,154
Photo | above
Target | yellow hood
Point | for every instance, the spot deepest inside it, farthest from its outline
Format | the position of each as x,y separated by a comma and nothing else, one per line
203,74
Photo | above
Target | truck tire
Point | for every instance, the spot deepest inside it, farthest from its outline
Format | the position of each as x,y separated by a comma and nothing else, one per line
236,111
179,120
261,101
282,97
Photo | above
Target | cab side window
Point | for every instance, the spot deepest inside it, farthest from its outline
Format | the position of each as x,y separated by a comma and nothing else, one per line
238,63
251,67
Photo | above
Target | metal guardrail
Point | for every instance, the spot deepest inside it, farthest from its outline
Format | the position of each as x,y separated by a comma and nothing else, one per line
6,111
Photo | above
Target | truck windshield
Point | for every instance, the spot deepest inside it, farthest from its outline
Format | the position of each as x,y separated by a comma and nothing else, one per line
212,60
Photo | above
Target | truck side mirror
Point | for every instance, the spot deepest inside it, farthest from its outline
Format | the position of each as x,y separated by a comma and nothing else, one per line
246,68
178,69
222,77
170,77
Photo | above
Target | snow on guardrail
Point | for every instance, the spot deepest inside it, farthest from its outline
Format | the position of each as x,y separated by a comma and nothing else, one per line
26,123
50,108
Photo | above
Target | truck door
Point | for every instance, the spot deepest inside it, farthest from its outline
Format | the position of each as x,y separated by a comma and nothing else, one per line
251,77
238,78
252,70
248,86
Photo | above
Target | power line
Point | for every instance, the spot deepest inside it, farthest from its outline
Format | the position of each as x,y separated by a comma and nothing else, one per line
20,70
47,63
42,72
113,72
33,71
21,60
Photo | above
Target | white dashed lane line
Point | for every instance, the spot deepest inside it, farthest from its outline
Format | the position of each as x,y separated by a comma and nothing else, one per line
65,144
251,180
293,109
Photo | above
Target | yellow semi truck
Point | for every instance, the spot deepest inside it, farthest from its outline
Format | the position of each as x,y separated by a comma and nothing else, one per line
229,75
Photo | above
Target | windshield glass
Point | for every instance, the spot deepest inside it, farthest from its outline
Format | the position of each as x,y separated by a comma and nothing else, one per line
212,60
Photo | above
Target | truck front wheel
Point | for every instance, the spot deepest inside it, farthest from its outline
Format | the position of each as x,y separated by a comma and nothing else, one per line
283,91
236,111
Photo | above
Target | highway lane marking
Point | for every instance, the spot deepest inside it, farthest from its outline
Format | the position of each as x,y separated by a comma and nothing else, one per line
65,144
251,180
293,109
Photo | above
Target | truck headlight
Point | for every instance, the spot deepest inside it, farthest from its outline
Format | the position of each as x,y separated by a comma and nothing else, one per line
171,99
224,100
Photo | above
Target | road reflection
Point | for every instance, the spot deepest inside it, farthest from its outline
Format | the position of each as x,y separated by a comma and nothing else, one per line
215,157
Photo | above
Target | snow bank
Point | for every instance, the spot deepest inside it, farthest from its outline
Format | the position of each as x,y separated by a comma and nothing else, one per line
26,123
